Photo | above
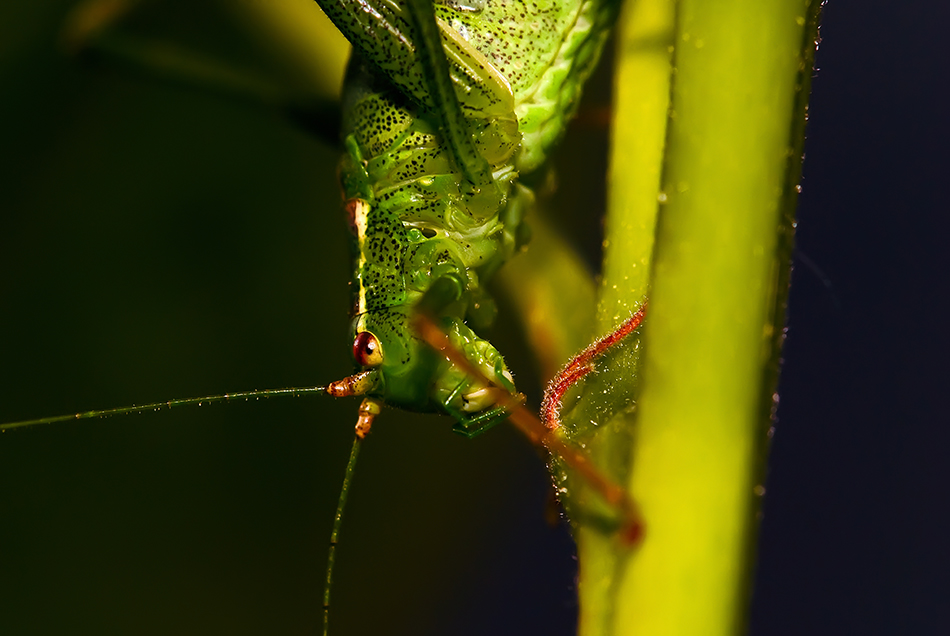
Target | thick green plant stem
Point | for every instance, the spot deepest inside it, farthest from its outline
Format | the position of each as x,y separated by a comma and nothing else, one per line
692,452
640,105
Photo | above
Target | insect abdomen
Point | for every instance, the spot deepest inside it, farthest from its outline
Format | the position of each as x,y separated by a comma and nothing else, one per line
398,163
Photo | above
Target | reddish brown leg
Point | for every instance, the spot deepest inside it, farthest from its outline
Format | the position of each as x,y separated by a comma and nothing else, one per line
528,423
582,364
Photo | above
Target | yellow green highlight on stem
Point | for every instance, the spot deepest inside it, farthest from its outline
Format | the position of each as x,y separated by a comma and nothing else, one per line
709,111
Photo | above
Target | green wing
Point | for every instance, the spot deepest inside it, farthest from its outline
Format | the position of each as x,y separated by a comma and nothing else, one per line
384,33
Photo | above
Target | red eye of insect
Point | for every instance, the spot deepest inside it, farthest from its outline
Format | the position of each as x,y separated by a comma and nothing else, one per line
366,350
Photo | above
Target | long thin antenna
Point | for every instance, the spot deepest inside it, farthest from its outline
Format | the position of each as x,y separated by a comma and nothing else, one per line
337,524
369,409
158,406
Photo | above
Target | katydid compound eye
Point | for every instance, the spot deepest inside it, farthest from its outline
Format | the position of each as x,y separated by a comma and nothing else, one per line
366,350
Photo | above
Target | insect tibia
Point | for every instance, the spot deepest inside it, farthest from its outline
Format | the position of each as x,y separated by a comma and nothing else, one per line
629,523
582,364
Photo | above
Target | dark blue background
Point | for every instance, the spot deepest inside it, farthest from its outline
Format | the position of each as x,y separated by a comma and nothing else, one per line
854,537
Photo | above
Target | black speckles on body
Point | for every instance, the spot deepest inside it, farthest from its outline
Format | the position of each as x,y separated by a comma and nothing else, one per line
401,164
379,124
381,274
514,71
508,33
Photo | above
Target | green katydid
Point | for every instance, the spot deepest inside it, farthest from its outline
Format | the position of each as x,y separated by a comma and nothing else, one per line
508,243
431,175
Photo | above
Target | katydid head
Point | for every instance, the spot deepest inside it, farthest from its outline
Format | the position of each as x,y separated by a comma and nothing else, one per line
397,367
